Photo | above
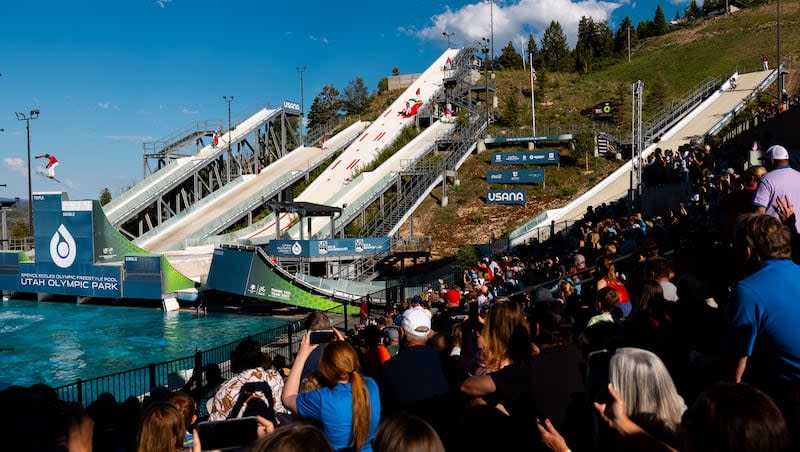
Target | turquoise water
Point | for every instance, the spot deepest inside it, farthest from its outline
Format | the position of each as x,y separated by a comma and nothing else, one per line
57,343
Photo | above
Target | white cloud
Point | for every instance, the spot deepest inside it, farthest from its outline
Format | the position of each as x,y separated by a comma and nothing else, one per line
16,165
512,21
187,111
321,39
163,3
108,105
130,138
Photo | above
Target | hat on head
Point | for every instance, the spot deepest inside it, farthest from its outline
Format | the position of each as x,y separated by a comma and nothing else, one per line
776,152
392,334
416,323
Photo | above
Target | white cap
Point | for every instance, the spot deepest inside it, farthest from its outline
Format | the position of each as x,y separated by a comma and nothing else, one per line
776,152
416,323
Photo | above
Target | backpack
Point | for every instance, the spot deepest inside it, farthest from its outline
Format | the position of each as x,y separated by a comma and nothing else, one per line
254,405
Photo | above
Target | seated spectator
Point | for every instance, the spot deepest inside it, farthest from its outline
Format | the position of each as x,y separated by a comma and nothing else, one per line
185,404
408,433
659,270
495,340
255,388
348,406
645,385
298,436
607,277
607,304
163,429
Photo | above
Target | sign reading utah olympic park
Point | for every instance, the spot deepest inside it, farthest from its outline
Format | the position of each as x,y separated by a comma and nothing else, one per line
543,157
516,196
332,247
522,176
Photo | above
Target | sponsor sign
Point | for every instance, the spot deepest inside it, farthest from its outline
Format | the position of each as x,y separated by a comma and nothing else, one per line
519,196
333,247
543,157
522,176
563,137
291,105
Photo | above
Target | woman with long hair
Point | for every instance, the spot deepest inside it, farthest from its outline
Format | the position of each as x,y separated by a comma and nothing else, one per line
495,340
162,429
607,277
348,407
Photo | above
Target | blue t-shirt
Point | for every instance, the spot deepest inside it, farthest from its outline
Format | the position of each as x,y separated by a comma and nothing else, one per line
334,408
762,321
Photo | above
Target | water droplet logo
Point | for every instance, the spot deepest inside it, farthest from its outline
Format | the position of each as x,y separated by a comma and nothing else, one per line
62,248
297,249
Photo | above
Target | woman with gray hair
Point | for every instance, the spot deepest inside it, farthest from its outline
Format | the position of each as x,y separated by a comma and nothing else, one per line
649,393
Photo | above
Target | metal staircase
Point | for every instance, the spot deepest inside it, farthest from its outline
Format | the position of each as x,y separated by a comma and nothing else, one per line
174,146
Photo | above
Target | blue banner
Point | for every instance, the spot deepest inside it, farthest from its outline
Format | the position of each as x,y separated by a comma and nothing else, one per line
523,176
564,137
519,196
333,247
543,157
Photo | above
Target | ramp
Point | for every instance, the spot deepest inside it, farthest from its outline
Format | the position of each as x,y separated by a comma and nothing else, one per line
229,204
248,271
380,134
704,119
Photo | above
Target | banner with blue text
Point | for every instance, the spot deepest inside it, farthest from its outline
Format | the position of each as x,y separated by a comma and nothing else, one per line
523,176
333,247
543,157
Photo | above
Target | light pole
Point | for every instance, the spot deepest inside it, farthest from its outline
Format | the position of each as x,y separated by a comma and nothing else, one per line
485,51
447,36
229,99
27,118
491,26
301,70
778,61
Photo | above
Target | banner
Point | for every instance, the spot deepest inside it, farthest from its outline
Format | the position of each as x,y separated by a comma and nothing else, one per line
563,137
519,196
523,176
543,157
333,247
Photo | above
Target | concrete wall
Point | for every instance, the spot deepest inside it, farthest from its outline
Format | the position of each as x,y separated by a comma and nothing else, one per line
402,81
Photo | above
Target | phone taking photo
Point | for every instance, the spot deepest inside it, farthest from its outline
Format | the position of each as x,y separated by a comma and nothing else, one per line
598,375
322,336
228,434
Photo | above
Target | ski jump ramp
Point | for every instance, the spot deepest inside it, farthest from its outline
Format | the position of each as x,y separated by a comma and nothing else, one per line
705,119
364,150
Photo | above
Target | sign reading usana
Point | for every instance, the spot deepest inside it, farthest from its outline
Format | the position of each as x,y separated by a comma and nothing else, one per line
544,157
523,176
519,196
333,247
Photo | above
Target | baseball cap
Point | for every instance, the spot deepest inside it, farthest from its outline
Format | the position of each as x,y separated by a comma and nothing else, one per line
776,152
416,323
391,333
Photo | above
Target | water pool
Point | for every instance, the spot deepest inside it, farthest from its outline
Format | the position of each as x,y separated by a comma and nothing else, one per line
57,343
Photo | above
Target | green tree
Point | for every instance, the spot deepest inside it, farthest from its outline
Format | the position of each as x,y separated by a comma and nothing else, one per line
326,107
20,229
660,22
509,58
693,11
383,85
395,70
555,50
621,36
355,99
533,51
584,51
677,17
660,93
603,43
513,111
105,196
645,29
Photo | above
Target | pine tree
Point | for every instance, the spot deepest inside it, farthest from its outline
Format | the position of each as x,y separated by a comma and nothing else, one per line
509,58
659,23
325,107
533,51
555,51
621,37
395,70
584,51
693,11
603,43
356,97
105,196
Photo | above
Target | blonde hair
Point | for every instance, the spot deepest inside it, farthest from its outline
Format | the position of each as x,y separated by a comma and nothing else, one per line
408,433
339,362
646,386
162,429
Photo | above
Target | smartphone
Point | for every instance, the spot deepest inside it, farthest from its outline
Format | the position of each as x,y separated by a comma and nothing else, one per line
322,336
598,376
228,434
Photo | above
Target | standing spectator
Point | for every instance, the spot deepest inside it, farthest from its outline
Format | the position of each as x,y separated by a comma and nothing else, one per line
607,277
316,321
761,320
348,406
764,62
392,340
781,181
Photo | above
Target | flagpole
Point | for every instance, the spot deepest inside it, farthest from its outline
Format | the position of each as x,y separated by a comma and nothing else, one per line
533,97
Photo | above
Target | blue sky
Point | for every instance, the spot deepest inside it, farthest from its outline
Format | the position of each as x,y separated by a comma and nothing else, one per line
110,75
